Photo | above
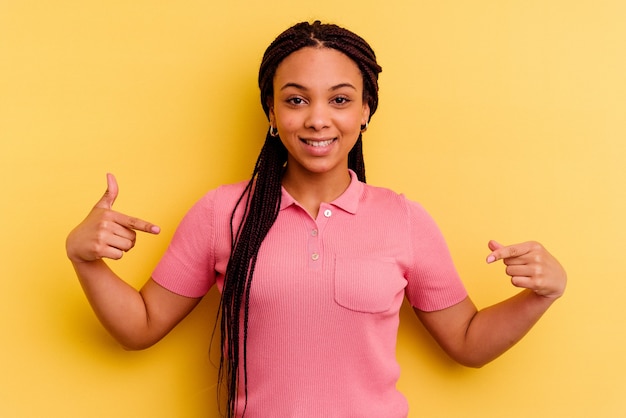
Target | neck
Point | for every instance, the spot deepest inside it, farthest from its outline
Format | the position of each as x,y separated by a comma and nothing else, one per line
311,190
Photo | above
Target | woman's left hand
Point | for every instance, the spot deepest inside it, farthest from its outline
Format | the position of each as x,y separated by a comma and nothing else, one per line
531,266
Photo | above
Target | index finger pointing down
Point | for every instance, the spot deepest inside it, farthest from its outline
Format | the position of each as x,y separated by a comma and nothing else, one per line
510,251
140,225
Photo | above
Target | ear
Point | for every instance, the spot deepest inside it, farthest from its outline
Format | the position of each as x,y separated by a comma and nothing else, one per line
270,105
366,113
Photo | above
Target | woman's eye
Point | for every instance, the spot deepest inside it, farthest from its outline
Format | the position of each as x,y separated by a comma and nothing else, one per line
341,100
295,101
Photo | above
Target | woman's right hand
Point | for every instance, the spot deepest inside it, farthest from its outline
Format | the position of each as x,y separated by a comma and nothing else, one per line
105,233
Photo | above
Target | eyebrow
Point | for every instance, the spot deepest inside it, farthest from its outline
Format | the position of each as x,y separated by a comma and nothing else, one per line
333,88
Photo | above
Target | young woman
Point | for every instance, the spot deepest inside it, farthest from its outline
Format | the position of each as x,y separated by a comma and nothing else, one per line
312,263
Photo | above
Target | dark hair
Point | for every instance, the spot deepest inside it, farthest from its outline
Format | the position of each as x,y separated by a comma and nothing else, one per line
262,195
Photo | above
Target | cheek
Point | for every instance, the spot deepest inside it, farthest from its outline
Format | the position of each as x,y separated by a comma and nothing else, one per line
289,124
350,122
288,120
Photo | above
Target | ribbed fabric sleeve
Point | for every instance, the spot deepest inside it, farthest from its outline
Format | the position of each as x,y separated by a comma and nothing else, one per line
188,267
433,281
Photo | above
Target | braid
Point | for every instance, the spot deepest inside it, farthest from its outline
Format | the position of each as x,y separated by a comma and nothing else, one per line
261,198
355,159
262,202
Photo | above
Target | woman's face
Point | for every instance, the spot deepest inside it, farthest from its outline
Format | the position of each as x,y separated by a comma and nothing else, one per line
318,109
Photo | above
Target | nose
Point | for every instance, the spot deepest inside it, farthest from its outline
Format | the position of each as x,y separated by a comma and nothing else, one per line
318,116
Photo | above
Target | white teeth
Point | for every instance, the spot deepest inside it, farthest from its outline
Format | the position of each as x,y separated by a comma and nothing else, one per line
320,143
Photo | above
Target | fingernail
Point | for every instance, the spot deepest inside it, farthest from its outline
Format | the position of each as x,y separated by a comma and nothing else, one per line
491,259
155,229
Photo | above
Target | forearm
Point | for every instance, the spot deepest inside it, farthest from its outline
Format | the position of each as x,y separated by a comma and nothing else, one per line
137,319
495,329
119,307
473,337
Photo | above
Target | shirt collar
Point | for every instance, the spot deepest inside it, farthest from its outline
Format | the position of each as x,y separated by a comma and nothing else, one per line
348,200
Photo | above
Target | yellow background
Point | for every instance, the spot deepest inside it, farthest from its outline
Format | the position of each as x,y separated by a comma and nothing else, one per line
505,119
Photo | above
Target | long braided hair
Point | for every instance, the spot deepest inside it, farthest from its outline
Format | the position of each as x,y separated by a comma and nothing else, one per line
261,198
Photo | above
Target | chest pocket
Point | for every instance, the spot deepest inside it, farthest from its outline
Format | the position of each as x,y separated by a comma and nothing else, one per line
368,285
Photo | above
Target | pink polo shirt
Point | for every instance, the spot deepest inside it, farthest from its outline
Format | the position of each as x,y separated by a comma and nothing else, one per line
326,296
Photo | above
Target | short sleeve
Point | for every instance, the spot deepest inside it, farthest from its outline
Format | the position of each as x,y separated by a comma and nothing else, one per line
433,282
187,267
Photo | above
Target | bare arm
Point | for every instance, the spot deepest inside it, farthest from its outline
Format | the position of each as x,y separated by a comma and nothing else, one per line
137,319
473,337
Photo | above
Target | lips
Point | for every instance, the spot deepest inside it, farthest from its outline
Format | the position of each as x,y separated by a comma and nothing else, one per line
319,143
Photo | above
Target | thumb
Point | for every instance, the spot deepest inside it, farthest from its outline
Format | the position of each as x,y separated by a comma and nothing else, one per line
107,200
493,246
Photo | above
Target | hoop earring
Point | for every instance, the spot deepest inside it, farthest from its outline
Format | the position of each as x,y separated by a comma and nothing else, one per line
364,127
273,131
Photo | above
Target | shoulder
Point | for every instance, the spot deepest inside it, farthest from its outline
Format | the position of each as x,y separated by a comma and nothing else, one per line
216,203
392,203
381,195
224,195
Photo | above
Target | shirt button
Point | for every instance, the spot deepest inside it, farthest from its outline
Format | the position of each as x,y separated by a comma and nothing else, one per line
314,232
315,256
328,213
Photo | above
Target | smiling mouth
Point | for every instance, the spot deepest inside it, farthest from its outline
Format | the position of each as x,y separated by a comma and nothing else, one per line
319,143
